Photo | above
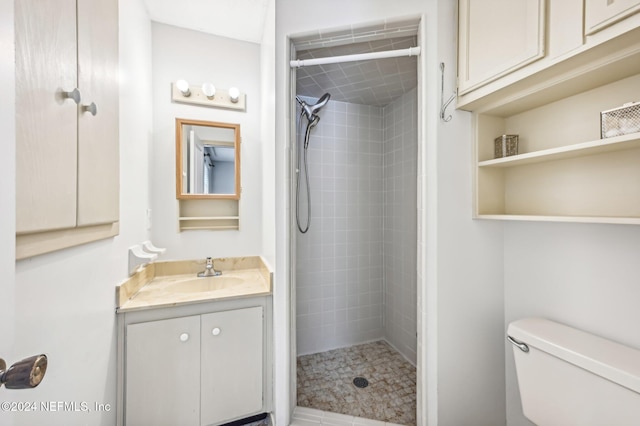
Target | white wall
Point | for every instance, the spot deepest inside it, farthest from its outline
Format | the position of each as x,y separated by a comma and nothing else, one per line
460,296
198,57
582,275
7,195
470,292
268,123
269,195
64,301
470,295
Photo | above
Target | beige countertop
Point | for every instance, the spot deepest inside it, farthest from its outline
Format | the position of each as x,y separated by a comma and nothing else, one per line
173,283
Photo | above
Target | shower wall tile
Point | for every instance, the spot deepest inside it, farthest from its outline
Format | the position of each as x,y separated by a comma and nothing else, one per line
356,266
339,277
400,223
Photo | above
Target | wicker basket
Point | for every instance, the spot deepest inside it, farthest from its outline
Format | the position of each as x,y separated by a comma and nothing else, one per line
620,121
505,146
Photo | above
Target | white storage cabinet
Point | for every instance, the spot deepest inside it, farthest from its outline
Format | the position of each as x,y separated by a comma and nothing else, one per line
195,370
67,161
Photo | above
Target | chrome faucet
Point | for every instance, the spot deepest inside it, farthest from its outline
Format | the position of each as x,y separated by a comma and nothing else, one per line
209,271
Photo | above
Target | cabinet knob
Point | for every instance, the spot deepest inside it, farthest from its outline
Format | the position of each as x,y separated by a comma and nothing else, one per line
184,337
92,108
215,331
74,95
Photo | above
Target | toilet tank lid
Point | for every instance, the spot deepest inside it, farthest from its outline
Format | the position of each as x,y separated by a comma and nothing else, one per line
611,360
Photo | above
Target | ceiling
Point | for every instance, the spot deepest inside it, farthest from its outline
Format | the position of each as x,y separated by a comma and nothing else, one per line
237,19
374,82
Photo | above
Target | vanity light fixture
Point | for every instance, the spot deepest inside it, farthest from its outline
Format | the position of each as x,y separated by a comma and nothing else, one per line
234,94
183,87
206,94
209,90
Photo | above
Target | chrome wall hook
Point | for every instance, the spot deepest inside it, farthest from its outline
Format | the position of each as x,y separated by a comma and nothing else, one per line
443,104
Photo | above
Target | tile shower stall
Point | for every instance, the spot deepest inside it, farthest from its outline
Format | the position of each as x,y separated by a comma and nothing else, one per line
356,266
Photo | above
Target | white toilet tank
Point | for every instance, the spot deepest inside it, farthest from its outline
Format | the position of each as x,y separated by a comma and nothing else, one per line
570,377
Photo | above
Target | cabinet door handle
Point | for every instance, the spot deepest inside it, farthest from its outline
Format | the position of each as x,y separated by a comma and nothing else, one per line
74,95
215,331
92,108
184,337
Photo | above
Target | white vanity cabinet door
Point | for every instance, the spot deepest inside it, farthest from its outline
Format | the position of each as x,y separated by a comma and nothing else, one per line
162,385
231,364
497,37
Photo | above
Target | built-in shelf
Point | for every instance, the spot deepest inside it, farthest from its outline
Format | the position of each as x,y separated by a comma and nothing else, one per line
599,146
577,219
212,228
212,215
565,173
209,218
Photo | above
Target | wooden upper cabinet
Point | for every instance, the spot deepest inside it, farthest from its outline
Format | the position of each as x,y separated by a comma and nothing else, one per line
46,147
600,14
564,169
67,161
98,154
498,37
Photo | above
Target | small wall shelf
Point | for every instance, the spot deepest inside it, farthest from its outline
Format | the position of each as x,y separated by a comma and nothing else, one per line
209,218
577,219
599,146
213,215
211,228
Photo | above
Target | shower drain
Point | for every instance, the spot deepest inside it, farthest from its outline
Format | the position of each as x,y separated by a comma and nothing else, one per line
360,382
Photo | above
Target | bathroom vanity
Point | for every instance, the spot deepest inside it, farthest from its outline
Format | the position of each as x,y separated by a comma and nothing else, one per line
194,350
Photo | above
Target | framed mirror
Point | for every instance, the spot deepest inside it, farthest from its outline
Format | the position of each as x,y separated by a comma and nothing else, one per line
207,160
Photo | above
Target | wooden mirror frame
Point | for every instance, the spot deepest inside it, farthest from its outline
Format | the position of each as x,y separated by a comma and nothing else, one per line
179,160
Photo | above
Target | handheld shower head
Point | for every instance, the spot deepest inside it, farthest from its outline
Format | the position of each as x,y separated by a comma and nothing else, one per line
321,102
312,121
311,110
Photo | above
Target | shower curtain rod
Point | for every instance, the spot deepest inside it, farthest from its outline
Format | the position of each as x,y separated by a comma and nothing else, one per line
411,51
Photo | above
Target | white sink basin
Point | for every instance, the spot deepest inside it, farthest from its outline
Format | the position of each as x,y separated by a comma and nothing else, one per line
204,284
174,283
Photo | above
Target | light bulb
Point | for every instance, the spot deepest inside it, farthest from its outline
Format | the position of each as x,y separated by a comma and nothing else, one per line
209,90
183,87
234,94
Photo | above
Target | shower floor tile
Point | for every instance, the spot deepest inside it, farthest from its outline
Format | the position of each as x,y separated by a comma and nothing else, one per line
325,382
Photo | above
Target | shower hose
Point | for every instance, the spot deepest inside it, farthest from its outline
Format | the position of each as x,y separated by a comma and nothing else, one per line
305,170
